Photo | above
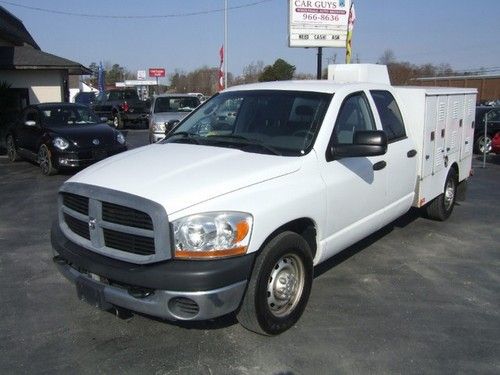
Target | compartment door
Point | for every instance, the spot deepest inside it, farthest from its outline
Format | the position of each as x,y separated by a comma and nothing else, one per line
429,141
439,136
468,127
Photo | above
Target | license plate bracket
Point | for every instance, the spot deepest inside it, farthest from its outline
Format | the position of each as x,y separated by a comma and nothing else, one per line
92,293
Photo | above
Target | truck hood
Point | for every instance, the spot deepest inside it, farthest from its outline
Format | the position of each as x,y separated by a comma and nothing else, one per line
181,175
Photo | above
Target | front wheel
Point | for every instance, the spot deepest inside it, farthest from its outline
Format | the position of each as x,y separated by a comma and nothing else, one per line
117,121
279,287
442,206
45,161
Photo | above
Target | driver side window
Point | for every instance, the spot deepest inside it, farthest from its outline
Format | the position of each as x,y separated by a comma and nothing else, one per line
354,114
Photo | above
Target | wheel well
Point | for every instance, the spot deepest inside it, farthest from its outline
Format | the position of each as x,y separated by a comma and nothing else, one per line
304,227
455,167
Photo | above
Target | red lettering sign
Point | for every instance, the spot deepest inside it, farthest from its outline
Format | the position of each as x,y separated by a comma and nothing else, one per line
156,72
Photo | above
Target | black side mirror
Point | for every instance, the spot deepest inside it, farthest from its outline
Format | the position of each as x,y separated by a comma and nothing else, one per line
365,143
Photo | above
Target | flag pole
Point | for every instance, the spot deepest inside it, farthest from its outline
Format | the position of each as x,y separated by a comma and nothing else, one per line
225,44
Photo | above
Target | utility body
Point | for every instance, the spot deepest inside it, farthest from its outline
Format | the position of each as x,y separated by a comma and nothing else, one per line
230,213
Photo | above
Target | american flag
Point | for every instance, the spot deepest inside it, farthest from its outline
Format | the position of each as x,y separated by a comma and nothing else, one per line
350,28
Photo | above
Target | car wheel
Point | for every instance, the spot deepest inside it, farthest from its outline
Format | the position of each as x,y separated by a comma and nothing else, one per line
482,142
442,206
11,149
117,121
45,161
279,287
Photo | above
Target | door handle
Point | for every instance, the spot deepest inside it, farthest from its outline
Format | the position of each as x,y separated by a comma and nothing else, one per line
411,153
379,165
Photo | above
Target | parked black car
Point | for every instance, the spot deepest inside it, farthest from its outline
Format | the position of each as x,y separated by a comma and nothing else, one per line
62,136
122,107
493,127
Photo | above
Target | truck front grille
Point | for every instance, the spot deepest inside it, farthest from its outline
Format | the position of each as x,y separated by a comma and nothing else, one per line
131,217
120,226
131,243
76,203
79,227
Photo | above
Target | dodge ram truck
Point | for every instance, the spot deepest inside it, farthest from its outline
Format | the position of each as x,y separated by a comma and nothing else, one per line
231,216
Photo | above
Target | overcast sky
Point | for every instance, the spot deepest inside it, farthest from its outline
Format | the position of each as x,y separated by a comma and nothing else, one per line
463,33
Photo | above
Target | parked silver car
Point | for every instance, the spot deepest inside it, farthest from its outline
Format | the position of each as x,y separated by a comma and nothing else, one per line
168,109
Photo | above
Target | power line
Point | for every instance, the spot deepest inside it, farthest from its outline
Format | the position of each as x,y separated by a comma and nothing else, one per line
173,15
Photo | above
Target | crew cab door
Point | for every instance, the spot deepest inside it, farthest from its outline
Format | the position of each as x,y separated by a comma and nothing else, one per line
355,186
401,156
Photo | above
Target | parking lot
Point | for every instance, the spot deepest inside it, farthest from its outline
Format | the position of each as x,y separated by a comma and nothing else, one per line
416,297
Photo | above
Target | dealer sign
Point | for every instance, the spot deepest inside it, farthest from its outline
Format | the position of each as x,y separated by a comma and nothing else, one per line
316,23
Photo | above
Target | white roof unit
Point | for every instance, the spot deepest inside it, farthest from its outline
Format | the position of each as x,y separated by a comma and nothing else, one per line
349,73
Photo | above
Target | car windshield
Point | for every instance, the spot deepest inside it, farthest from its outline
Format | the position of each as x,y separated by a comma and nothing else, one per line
64,116
176,104
265,121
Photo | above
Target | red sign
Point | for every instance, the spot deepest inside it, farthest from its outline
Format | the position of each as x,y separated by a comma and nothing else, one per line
156,72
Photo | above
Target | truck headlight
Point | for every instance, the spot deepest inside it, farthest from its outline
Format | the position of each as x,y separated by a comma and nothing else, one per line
159,127
60,143
120,138
212,235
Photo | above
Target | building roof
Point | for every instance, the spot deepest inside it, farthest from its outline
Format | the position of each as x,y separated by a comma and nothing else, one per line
14,58
481,76
12,29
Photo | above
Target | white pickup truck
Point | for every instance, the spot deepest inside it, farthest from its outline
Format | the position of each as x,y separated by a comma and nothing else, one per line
231,212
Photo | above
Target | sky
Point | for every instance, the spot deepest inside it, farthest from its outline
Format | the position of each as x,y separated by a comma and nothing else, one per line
462,33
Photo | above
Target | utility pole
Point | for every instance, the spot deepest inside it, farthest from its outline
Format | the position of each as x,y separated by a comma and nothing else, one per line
320,58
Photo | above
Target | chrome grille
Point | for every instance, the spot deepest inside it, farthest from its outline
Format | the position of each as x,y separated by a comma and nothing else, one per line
115,224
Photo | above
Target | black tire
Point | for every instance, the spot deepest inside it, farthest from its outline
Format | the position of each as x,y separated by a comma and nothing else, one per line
45,161
117,121
11,148
279,287
441,207
479,144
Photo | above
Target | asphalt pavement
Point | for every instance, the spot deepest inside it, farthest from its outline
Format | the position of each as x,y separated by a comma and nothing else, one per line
418,296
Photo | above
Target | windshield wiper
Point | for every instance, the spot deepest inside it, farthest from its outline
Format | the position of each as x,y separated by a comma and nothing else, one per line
184,136
241,140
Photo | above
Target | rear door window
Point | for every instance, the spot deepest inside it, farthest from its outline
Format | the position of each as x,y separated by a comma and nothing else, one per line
390,115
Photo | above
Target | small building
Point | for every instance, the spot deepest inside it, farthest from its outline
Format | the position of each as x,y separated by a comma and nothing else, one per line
31,75
487,85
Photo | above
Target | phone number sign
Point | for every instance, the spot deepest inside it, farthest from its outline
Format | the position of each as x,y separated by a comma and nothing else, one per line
317,23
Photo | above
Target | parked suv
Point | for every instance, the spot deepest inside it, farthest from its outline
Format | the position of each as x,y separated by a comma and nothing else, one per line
122,107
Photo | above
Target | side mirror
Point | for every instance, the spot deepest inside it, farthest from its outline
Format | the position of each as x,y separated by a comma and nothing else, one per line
30,123
365,143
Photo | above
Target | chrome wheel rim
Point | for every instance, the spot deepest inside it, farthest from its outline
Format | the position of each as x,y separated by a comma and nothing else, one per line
43,160
115,121
485,142
449,194
285,285
11,148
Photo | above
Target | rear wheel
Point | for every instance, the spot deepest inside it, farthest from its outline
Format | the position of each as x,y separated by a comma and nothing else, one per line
45,161
279,287
11,149
117,121
442,206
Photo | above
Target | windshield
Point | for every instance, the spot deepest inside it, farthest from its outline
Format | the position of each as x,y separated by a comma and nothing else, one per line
269,121
176,104
62,116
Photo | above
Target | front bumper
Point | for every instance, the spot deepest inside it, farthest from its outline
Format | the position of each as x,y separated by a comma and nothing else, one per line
84,158
134,117
174,289
157,136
